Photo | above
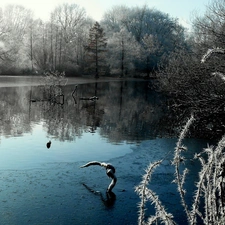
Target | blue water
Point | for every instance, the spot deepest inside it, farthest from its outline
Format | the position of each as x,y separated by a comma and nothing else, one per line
29,150
40,185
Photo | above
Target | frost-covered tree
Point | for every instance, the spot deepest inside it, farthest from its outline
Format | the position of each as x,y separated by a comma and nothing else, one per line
149,52
96,49
145,25
123,49
114,18
69,17
68,23
209,32
14,24
209,28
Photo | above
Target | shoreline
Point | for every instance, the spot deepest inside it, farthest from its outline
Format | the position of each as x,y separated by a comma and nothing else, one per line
9,80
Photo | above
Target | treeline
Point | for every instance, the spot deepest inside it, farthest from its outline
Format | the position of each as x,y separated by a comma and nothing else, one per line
128,41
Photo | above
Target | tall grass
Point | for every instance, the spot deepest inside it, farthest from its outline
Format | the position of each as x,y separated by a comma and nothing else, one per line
210,187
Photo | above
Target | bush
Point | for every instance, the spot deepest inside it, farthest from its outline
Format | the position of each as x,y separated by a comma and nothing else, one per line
210,187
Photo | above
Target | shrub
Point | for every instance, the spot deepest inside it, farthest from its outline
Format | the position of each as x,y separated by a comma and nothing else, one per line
210,187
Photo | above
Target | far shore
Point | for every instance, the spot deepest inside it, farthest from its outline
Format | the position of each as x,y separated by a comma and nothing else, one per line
16,81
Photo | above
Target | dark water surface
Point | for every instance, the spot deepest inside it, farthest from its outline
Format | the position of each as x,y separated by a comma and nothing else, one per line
40,185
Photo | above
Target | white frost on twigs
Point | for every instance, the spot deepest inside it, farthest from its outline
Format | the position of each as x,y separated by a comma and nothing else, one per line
210,52
220,75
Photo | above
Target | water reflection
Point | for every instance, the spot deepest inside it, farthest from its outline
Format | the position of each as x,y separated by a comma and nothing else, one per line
121,111
14,111
108,200
124,111
38,182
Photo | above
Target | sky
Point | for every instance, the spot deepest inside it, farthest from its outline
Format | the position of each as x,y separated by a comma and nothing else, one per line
181,9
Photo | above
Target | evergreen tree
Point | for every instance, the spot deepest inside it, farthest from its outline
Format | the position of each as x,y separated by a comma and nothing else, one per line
96,50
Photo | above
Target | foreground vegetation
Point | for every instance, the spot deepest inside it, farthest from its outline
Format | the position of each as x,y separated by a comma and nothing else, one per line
192,86
209,187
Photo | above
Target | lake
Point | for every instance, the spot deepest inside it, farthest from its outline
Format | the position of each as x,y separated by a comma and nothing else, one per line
122,126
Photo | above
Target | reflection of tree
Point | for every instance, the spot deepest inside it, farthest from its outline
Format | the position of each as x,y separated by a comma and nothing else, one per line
130,117
14,119
68,121
124,111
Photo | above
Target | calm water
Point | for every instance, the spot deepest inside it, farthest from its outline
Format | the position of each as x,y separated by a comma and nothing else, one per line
125,114
44,186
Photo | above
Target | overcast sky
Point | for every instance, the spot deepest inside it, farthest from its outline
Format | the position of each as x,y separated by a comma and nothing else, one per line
181,9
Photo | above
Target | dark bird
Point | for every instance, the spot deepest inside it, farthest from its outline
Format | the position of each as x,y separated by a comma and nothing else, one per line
110,171
48,145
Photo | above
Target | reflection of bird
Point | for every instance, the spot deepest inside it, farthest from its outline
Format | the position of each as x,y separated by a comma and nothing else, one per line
110,171
108,201
48,144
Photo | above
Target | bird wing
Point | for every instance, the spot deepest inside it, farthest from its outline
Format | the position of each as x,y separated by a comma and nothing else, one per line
93,163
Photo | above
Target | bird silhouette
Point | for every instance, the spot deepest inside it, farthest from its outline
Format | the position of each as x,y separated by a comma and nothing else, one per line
110,171
48,145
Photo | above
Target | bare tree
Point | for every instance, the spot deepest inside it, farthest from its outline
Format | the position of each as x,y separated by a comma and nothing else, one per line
209,28
69,18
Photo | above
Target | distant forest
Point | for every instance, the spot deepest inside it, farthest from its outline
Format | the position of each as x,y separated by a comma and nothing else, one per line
126,42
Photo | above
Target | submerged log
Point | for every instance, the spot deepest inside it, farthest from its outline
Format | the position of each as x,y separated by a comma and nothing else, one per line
93,98
58,99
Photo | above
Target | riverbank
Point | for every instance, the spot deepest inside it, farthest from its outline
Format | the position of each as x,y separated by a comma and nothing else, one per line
16,81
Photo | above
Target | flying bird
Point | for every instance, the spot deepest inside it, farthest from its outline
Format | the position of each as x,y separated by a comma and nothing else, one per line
110,171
